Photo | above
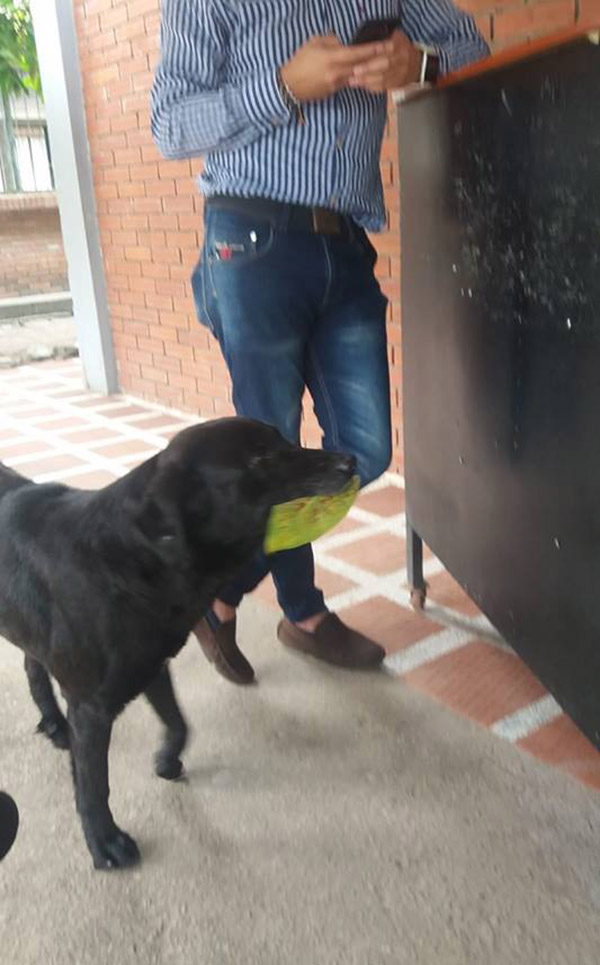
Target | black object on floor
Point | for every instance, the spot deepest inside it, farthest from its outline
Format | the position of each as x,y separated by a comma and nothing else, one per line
9,823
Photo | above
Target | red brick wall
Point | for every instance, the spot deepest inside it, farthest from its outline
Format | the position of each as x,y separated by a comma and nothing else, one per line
32,255
150,215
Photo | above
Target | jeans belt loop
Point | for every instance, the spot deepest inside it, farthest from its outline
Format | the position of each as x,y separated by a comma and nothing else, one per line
326,222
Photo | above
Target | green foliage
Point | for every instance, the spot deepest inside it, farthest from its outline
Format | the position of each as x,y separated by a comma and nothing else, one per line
19,71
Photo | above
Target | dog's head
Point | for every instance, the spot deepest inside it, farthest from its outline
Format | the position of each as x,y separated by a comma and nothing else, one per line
216,483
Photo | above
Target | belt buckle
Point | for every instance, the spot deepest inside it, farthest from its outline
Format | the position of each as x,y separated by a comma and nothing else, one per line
326,222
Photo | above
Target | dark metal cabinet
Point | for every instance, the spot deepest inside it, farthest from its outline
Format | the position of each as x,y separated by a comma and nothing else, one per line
500,211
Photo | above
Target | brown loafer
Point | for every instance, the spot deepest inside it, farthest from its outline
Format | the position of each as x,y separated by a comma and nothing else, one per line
334,643
220,648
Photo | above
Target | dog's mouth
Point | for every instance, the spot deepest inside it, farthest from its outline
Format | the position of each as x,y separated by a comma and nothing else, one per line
315,473
305,519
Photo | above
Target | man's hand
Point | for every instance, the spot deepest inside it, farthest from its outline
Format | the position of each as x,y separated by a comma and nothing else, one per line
392,70
324,65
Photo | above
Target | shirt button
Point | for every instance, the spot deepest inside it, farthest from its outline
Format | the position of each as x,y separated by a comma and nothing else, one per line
333,199
339,142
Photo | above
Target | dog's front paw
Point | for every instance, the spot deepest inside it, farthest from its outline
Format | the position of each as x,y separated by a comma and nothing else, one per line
56,730
168,767
113,851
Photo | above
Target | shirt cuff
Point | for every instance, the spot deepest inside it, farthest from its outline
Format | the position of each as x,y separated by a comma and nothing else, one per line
263,103
462,55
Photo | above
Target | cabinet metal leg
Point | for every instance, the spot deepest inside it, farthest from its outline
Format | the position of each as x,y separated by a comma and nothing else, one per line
414,568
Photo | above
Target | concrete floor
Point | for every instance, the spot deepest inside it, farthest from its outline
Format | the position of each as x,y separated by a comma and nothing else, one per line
36,338
328,819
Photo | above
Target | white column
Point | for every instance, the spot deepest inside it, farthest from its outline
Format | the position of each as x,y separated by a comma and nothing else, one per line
58,54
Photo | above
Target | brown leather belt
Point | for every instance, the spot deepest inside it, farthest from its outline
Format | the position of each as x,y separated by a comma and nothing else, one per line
291,217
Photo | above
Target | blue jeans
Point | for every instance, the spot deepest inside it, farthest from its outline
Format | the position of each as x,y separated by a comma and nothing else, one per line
290,310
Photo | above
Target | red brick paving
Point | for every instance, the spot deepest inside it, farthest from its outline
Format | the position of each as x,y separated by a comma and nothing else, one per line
478,681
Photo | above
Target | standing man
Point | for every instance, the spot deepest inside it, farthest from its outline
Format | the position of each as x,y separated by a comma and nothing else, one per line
290,117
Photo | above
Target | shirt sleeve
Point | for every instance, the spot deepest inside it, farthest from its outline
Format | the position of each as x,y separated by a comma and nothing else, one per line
452,32
194,111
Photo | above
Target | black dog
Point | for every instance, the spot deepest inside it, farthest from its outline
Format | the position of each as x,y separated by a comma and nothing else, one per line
101,588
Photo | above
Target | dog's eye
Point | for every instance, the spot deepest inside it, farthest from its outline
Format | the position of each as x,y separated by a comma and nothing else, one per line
260,456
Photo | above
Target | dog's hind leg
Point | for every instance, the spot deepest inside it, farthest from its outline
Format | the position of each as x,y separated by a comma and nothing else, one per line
90,737
53,723
161,696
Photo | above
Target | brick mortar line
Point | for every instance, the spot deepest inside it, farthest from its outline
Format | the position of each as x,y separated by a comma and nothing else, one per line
526,720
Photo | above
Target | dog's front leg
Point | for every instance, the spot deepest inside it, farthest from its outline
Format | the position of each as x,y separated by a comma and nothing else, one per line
161,697
53,723
90,737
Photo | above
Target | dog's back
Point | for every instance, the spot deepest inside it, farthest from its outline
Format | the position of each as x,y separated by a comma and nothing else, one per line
77,577
22,616
9,480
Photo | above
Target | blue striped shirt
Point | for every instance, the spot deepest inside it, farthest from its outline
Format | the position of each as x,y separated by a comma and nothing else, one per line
215,94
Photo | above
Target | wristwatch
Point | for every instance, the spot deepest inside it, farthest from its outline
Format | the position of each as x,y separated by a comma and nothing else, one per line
430,66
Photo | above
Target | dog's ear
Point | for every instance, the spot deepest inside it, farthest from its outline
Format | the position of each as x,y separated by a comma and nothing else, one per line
156,520
158,516
171,508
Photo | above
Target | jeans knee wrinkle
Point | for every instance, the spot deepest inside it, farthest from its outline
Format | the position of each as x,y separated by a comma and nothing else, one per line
331,414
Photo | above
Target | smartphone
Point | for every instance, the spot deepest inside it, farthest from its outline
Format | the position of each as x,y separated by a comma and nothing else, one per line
373,31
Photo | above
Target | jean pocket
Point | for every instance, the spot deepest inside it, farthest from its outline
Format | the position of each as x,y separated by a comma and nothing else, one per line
366,248
204,297
234,240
